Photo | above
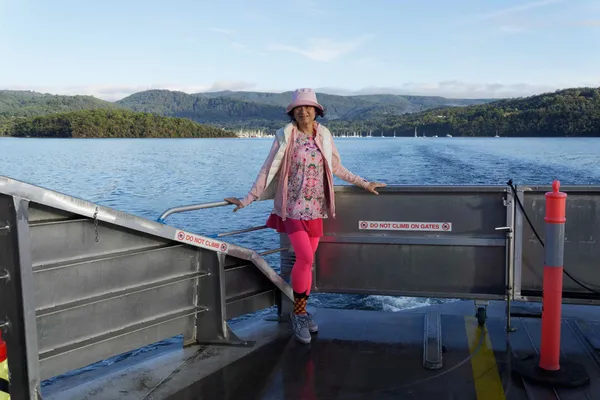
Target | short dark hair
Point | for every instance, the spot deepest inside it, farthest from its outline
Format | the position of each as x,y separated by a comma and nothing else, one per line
318,113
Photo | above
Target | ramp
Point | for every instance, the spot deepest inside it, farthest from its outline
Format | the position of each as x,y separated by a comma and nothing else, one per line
82,283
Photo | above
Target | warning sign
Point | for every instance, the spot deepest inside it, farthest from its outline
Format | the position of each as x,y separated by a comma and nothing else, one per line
404,226
200,241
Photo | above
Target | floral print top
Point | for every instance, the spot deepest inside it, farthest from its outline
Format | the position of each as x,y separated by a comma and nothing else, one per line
306,181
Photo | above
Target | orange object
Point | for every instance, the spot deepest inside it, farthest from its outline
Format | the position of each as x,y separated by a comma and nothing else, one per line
556,205
553,278
551,318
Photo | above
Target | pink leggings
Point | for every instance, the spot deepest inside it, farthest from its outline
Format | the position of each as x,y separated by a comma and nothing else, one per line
305,247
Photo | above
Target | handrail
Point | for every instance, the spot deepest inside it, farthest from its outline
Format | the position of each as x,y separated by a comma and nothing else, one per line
191,207
252,229
277,250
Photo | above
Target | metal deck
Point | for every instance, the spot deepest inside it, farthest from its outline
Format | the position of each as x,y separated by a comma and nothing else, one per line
355,355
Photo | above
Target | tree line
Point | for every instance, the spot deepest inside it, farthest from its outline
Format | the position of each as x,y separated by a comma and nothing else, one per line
101,123
570,112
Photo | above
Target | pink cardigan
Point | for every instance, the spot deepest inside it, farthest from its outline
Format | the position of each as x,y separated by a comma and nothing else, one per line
280,199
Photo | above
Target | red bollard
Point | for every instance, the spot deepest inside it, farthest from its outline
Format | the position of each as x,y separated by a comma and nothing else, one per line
547,369
556,206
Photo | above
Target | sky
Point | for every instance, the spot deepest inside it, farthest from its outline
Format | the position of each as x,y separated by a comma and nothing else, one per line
461,48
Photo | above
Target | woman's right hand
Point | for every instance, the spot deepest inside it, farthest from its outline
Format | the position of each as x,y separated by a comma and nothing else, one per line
233,200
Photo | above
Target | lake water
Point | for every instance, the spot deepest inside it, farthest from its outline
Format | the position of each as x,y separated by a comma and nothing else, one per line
147,176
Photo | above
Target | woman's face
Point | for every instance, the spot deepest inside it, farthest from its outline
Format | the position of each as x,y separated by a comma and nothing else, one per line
304,114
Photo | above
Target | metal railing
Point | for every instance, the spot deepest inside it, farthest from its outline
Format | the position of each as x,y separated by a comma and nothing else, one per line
191,207
516,278
215,204
239,231
73,275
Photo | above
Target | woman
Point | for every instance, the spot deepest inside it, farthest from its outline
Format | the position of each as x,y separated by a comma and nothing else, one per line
298,175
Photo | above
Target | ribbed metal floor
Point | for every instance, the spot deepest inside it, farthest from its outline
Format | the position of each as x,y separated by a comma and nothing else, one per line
373,355
358,355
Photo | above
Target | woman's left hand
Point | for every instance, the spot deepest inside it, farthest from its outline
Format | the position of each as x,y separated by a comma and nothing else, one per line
374,185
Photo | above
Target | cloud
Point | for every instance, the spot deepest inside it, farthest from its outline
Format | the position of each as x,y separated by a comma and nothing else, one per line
222,30
324,50
230,85
512,10
117,92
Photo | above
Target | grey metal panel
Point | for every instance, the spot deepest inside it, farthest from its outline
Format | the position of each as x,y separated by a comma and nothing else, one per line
68,283
98,286
474,213
74,324
249,304
429,241
40,213
140,225
72,240
56,364
212,326
403,189
17,308
470,260
582,233
245,280
210,323
418,270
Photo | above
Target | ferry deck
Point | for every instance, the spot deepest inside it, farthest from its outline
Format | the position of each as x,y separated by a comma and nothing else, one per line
81,283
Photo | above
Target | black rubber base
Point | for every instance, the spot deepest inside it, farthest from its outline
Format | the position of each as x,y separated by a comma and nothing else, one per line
569,375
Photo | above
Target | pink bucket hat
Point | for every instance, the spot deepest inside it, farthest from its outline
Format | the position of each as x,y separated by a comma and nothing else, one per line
304,97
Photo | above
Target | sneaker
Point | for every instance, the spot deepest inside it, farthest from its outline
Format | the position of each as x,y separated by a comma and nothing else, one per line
300,325
312,325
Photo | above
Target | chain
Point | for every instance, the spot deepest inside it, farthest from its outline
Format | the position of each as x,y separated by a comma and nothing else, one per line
96,223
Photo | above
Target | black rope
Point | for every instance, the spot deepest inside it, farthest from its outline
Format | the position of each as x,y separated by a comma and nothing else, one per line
510,183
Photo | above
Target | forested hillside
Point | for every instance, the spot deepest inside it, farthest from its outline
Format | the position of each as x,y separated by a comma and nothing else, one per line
112,124
254,110
15,105
570,112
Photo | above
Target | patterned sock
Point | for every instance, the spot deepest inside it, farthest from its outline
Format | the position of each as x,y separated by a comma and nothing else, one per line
300,300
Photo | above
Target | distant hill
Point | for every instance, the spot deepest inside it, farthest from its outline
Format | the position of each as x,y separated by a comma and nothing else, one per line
267,110
227,109
569,112
26,103
21,104
349,107
100,123
220,111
